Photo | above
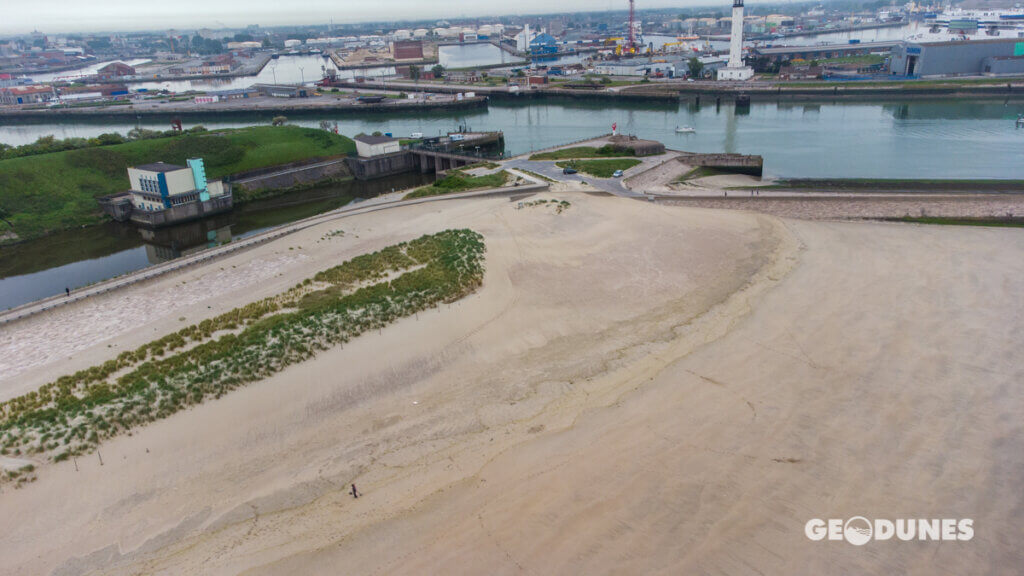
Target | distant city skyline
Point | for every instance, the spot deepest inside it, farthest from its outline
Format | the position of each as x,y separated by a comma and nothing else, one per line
69,16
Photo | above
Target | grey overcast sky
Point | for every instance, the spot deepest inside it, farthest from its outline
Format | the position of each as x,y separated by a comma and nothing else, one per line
58,16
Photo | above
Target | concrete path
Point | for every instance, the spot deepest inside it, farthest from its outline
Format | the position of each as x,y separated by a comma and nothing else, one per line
614,186
291,170
372,205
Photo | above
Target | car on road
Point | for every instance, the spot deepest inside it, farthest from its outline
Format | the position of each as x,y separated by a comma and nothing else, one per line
617,174
568,170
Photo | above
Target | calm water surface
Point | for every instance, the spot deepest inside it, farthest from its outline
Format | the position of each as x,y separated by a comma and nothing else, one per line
953,139
933,139
76,258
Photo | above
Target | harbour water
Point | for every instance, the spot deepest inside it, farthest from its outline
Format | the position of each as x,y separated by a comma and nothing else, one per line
914,139
890,33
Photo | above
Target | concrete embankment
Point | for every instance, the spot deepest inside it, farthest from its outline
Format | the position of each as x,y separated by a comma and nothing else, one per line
902,186
264,182
502,92
733,163
710,92
296,106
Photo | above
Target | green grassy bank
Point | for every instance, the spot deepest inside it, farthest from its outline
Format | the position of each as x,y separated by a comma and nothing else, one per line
600,168
606,151
458,181
49,192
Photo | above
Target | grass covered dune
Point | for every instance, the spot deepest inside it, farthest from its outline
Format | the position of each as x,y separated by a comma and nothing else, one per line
50,192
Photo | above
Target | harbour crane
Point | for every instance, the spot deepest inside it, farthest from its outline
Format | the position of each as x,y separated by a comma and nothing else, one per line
632,28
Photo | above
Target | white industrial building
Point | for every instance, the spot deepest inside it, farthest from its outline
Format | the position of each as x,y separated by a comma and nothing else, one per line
370,146
634,68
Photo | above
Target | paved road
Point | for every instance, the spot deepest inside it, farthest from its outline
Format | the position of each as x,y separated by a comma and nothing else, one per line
550,170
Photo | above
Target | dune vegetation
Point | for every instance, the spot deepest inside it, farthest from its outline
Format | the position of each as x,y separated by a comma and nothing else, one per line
459,181
73,414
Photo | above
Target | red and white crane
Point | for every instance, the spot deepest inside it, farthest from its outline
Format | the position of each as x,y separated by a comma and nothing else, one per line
632,28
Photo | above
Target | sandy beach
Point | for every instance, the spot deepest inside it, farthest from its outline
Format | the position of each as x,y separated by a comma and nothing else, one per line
636,388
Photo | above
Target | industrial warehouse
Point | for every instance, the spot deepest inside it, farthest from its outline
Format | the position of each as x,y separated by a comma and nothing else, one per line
957,58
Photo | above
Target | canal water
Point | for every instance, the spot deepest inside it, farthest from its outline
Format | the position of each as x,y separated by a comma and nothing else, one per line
75,258
888,34
912,139
926,139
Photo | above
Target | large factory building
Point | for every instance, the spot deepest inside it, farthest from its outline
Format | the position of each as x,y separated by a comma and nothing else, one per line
958,58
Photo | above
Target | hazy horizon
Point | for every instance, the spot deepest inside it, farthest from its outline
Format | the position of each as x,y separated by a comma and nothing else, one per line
70,16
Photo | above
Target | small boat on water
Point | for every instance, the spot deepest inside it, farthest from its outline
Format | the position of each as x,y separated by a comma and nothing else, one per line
685,130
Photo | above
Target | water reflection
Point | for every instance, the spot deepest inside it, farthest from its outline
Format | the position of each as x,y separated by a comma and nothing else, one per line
923,139
166,244
75,258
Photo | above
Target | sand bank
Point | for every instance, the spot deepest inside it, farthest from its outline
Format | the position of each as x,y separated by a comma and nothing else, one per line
636,388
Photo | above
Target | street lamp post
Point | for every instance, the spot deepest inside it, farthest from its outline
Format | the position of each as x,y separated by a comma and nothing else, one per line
302,74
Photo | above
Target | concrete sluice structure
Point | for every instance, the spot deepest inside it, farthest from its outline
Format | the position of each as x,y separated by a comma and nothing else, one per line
751,165
165,194
437,155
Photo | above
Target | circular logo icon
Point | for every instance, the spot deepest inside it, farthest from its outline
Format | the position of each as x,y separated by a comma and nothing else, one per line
857,531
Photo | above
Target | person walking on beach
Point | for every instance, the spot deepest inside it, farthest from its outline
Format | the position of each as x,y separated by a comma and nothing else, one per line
355,493
67,291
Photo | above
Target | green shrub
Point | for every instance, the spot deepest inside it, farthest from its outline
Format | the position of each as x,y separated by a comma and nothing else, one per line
143,385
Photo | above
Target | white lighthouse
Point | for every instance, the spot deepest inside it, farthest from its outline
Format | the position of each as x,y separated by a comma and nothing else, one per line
735,70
